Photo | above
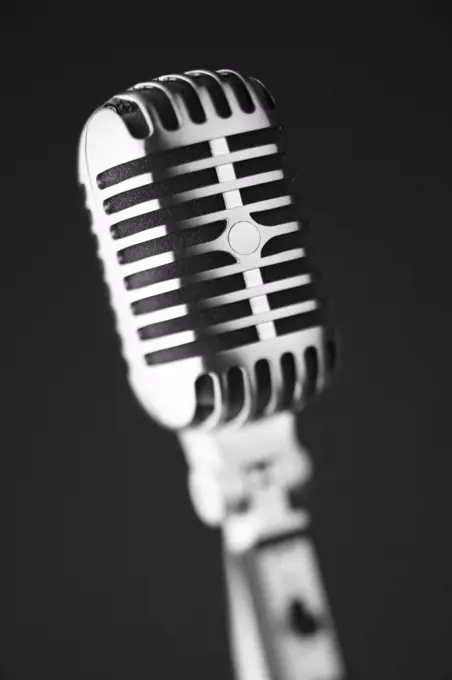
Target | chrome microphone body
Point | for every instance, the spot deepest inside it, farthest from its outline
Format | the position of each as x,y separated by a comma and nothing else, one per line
203,250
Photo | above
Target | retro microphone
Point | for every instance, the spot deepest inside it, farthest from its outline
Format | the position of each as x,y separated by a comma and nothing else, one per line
203,251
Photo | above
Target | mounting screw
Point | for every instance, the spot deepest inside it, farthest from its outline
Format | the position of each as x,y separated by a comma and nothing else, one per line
301,620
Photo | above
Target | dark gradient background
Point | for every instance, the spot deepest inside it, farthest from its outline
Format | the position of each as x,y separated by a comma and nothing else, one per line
105,572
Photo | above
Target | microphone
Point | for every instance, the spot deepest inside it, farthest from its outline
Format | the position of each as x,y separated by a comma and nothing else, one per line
203,247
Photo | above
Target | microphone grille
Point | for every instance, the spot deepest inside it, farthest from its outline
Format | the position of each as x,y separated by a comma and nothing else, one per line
204,248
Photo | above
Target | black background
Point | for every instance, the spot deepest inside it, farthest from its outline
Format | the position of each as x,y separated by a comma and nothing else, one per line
105,572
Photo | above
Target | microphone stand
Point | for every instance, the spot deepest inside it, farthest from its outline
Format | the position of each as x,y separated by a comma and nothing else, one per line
245,479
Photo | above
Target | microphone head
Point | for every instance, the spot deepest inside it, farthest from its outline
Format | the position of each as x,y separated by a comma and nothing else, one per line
203,250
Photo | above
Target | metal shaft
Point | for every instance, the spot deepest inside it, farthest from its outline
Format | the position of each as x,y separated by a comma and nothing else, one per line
245,480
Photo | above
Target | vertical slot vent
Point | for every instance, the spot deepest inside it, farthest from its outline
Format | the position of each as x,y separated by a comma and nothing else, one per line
190,97
263,385
312,369
235,392
240,90
212,84
161,105
289,378
205,397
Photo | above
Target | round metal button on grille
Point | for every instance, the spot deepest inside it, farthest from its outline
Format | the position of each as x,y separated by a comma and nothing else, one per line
244,238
